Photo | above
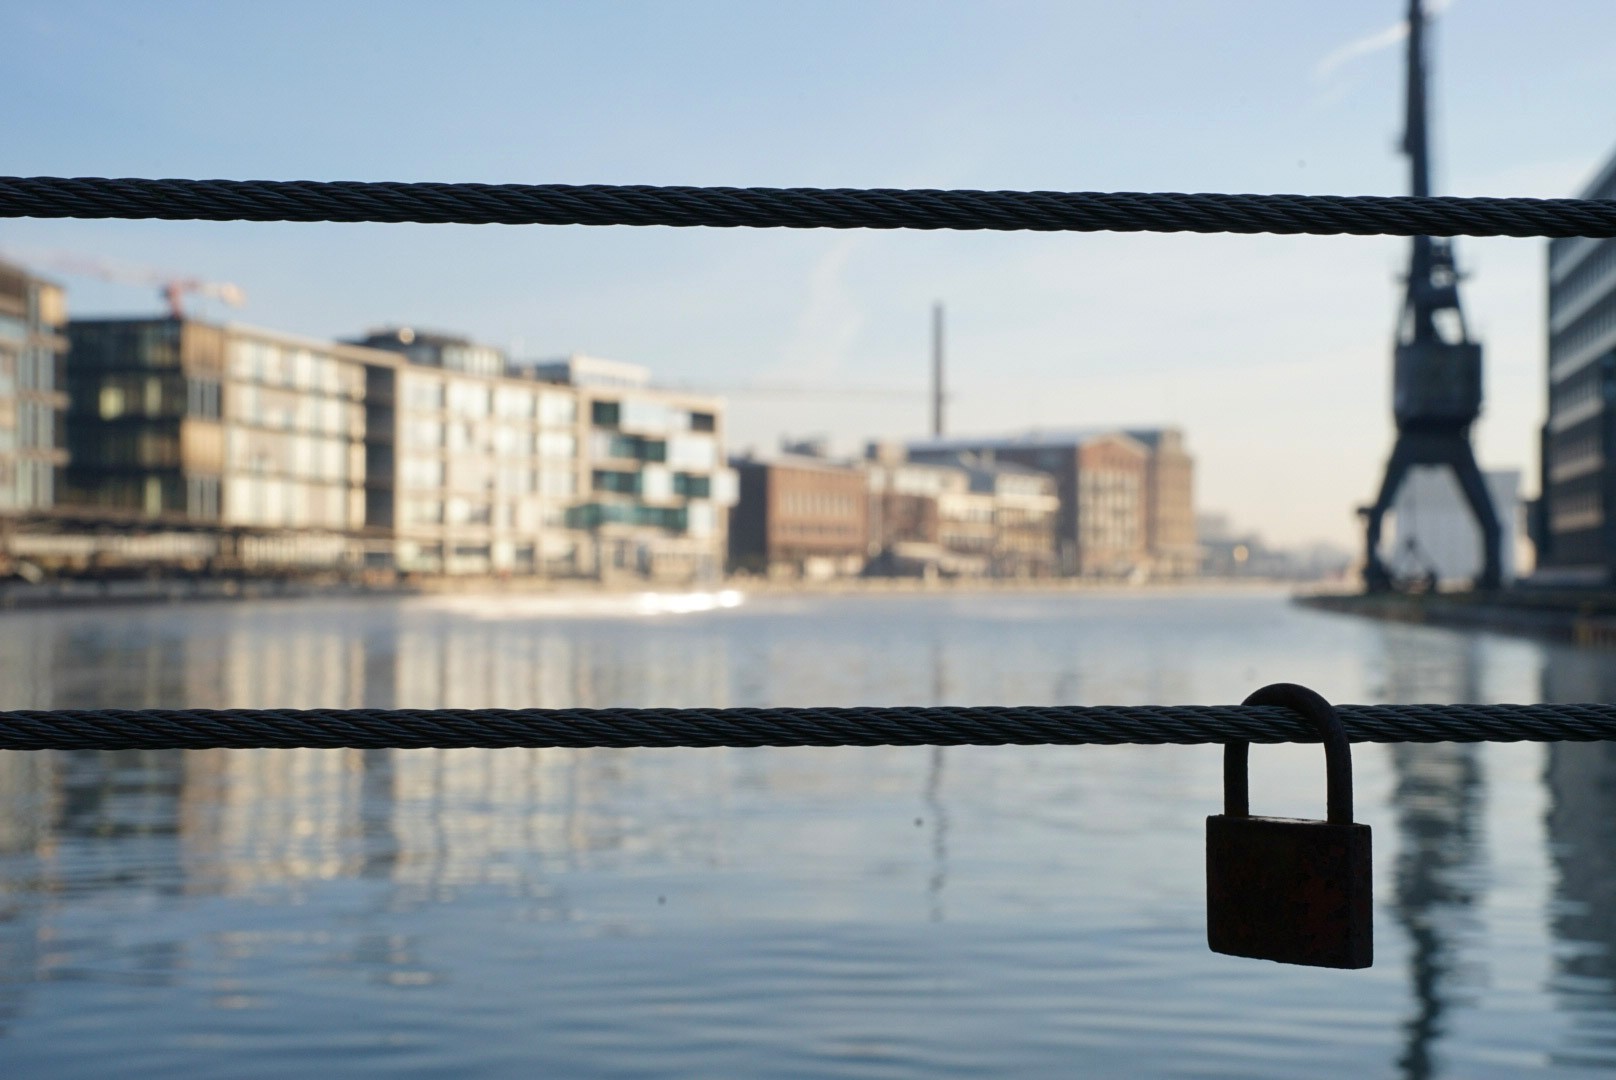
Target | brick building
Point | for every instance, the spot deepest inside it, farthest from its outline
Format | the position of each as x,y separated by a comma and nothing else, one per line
1126,499
1100,481
799,516
1170,535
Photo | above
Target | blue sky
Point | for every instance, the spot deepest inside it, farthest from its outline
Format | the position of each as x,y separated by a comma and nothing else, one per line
1271,352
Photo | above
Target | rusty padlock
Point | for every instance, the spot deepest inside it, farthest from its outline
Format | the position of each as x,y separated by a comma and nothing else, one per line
1287,889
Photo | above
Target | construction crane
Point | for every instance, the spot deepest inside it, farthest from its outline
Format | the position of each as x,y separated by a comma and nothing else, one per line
173,288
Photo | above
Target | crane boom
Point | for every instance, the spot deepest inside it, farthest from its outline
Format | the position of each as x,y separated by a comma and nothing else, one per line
172,287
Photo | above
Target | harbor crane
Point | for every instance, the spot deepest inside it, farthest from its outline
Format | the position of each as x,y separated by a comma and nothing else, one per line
1436,368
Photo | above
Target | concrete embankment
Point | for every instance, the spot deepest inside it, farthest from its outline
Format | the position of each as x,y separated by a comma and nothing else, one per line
1583,618
18,595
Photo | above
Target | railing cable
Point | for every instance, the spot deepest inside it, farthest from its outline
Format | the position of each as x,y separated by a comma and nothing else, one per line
799,208
164,729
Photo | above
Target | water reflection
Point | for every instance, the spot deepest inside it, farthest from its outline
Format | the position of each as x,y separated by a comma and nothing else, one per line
938,814
431,654
1581,821
1438,802
216,886
1439,882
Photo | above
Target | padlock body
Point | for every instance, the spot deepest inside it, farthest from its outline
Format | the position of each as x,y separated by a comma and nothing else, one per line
1290,890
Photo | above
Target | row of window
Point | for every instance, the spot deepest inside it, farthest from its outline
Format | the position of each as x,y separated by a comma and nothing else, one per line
1571,346
1571,512
308,457
251,500
627,447
33,482
593,515
156,397
819,504
649,417
1577,393
1590,274
291,411
459,510
551,408
39,368
476,474
1575,456
846,531
460,437
38,426
296,368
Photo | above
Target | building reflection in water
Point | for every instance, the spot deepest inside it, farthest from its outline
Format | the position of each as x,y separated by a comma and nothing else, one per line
937,814
1581,822
1438,802
420,824
27,796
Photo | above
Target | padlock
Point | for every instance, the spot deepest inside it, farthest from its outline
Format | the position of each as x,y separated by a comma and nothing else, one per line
1287,889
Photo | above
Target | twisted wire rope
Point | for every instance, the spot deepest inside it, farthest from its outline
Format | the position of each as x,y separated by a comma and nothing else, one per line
799,208
795,208
164,729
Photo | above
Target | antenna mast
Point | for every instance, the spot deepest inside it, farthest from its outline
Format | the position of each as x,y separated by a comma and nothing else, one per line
937,371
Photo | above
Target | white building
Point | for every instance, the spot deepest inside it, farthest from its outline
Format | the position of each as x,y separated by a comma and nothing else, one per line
1433,530
656,500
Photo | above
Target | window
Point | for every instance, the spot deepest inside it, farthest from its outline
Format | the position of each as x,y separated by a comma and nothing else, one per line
624,483
422,472
423,433
202,497
513,403
691,452
202,398
111,402
556,410
424,395
468,399
558,444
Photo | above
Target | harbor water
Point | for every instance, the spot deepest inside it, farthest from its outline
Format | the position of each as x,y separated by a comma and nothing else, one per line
772,913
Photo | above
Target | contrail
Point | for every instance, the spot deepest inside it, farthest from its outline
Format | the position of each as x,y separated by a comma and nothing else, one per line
1372,43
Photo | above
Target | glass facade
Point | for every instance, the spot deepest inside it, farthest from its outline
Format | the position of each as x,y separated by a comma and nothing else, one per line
32,351
172,417
1575,524
426,453
489,463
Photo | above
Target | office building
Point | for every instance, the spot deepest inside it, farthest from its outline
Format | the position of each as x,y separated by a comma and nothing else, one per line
1024,508
1101,479
799,516
186,422
471,470
1575,527
657,494
33,347
959,514
1169,503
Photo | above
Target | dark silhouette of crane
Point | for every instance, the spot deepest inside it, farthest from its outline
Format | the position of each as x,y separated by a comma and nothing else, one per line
1436,371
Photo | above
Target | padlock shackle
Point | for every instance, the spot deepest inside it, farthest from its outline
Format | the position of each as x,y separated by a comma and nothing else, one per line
1337,753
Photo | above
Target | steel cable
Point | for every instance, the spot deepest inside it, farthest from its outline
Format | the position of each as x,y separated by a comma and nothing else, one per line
164,729
799,208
